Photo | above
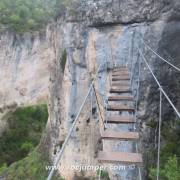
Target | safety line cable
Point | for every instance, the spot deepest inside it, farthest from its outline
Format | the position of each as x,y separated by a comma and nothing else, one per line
98,105
164,93
68,136
58,157
159,134
136,105
163,59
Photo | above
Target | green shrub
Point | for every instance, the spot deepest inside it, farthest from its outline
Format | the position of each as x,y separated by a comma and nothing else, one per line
24,15
32,167
27,146
3,167
170,171
63,60
152,124
170,150
18,157
103,174
25,128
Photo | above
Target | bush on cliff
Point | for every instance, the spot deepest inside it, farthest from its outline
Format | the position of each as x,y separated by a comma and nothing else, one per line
27,16
25,129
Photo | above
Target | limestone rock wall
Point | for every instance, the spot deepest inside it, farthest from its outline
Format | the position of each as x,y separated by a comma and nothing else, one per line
25,66
99,32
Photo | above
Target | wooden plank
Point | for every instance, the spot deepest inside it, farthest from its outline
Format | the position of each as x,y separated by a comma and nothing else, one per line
122,68
120,119
119,108
120,78
113,135
121,71
120,98
120,90
120,157
120,86
121,83
120,74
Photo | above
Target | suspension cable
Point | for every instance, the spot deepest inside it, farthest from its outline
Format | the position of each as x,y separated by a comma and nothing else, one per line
99,175
164,93
163,59
132,67
105,96
69,134
131,59
159,134
139,76
98,105
136,108
72,127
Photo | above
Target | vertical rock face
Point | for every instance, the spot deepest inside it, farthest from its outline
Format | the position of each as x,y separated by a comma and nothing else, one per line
24,68
134,11
102,31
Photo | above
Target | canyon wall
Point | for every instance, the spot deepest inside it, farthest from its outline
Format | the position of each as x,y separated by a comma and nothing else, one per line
98,32
25,66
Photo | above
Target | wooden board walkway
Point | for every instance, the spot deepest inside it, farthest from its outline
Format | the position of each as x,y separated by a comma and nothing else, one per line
120,98
120,92
120,78
120,108
120,119
107,134
126,73
119,157
120,83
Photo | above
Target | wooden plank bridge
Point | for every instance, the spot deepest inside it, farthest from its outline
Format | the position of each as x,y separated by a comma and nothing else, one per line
120,91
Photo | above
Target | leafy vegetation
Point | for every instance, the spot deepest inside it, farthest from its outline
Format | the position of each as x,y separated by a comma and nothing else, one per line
103,174
24,15
63,60
20,157
170,171
30,168
23,135
170,151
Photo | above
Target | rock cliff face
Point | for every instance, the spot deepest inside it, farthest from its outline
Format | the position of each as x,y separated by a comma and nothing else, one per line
98,32
25,65
25,68
126,12
103,31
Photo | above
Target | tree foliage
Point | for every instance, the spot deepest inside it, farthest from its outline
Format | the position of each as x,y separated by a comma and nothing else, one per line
25,128
32,167
29,15
63,60
170,171
170,152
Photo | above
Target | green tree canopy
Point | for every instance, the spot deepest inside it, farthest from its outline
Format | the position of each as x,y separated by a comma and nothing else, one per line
29,15
170,171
